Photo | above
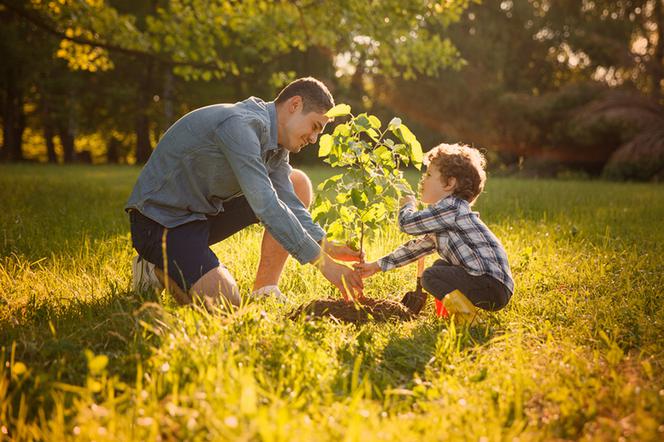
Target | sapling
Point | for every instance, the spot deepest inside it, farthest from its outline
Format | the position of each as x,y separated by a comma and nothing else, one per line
364,197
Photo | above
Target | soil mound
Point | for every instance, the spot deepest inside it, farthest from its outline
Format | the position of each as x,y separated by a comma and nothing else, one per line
365,310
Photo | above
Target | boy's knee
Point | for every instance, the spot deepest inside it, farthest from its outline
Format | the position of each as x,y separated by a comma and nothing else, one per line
429,281
302,186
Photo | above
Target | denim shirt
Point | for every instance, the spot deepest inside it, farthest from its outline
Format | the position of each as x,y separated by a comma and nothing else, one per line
219,152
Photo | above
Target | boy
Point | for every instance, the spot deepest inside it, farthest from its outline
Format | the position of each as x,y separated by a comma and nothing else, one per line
474,264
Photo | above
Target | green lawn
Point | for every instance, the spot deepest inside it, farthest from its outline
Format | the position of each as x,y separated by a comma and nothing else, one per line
578,353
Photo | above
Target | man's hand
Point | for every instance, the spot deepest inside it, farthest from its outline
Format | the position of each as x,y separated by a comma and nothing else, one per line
407,199
366,269
341,252
344,278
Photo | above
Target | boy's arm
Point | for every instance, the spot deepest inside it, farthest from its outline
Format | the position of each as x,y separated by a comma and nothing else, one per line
407,253
434,218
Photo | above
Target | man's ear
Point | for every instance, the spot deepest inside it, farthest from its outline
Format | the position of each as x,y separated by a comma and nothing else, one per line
294,103
451,184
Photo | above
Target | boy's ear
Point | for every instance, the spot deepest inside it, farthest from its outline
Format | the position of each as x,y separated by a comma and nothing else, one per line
451,184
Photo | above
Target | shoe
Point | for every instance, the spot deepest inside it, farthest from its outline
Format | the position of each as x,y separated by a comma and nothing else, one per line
459,306
269,291
143,276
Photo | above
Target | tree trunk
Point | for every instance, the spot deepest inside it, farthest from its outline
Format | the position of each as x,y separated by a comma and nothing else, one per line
13,119
143,145
67,140
658,62
169,112
113,150
49,132
50,145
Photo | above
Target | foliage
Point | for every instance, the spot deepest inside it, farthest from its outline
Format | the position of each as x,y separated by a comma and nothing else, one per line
220,38
354,204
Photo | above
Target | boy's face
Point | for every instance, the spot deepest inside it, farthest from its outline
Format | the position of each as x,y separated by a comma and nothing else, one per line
432,186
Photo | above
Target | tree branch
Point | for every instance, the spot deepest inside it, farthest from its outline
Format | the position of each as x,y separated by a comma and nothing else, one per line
51,28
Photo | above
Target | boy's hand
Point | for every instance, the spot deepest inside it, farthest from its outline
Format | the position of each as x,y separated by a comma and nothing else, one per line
366,269
407,199
341,252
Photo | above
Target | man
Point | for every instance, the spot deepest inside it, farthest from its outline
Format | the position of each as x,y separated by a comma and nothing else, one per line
220,169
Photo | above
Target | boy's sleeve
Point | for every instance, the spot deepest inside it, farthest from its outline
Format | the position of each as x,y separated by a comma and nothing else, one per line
434,218
408,253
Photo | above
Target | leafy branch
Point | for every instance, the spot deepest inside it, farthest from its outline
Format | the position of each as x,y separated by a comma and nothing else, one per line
353,205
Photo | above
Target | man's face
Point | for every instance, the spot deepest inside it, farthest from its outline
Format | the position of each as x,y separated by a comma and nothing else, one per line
302,129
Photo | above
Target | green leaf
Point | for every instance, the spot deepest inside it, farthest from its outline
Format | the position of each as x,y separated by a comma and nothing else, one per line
359,200
417,155
362,121
339,110
384,154
341,198
342,130
325,145
410,139
394,123
374,121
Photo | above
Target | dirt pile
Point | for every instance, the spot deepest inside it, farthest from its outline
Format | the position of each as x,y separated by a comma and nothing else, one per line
355,312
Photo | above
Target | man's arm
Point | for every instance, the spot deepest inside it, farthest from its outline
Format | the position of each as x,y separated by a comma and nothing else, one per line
242,149
286,193
241,146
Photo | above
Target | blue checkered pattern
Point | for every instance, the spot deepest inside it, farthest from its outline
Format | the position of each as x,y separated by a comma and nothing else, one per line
452,229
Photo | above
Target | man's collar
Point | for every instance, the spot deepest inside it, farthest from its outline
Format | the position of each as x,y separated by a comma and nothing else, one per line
273,137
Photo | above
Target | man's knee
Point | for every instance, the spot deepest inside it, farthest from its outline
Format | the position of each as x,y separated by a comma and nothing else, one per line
214,285
302,186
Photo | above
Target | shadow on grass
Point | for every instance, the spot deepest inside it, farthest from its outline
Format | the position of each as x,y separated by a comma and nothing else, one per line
51,341
404,357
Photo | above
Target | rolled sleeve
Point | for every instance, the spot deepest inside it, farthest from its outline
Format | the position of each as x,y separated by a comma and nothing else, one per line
241,146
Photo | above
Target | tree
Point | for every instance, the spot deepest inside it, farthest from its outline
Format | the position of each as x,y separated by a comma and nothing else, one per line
354,204
232,40
532,67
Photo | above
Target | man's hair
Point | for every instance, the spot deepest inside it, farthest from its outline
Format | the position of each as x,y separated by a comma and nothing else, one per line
464,163
315,95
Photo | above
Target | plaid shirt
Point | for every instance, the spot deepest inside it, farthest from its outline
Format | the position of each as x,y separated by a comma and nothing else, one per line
457,234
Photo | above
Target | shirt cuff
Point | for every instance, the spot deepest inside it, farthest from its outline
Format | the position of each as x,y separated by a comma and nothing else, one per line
307,251
385,264
317,234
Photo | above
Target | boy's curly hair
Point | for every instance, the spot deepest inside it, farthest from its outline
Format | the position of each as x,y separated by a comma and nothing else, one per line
462,162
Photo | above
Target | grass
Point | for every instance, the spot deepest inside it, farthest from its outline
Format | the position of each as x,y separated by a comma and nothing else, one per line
577,354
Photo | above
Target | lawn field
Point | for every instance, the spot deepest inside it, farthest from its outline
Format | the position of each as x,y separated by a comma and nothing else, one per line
578,354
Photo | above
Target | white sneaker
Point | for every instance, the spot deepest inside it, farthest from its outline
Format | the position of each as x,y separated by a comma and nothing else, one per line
143,276
268,291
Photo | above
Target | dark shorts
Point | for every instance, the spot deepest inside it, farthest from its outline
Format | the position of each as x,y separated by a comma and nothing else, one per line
483,291
188,246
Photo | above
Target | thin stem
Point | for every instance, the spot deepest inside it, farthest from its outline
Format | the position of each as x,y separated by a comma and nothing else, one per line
361,238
